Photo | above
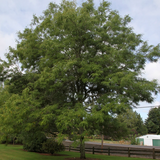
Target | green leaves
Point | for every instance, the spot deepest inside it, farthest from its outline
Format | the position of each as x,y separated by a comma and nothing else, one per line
81,67
153,121
133,121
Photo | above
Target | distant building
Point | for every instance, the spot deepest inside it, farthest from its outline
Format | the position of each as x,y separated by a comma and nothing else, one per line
149,140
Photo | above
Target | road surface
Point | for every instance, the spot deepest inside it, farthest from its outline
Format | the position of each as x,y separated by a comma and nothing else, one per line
114,145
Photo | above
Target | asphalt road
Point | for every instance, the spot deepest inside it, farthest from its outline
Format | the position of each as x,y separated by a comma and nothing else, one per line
116,145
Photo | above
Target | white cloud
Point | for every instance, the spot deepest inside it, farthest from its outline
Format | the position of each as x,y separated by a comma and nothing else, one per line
157,103
6,40
152,71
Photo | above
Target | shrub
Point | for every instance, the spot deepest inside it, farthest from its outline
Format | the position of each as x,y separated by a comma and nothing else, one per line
10,139
52,146
134,141
33,141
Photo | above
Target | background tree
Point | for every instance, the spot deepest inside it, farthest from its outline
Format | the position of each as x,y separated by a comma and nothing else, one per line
81,67
153,121
4,129
141,127
133,121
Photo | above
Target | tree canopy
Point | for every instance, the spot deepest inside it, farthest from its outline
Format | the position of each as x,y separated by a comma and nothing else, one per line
134,122
79,66
153,121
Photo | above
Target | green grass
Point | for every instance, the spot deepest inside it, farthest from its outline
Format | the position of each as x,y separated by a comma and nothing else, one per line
11,152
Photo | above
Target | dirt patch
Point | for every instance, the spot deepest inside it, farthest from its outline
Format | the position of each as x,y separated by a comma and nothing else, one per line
75,158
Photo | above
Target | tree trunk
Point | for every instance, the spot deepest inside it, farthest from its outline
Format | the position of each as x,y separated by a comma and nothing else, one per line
102,141
82,148
13,140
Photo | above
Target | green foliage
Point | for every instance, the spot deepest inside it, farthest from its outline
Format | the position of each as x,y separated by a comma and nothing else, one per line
52,146
141,127
133,122
80,67
32,141
13,139
134,140
113,128
153,121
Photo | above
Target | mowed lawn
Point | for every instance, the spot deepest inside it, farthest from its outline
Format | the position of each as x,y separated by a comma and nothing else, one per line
15,152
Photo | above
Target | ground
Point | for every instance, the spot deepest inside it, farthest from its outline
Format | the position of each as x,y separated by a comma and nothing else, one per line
75,158
48,154
69,158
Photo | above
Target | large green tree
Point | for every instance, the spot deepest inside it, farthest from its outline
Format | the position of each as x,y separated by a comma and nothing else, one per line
80,66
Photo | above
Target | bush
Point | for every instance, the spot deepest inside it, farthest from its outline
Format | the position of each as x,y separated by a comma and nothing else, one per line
134,141
33,141
51,146
6,139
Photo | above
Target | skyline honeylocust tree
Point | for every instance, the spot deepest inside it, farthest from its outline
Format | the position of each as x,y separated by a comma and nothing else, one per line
82,65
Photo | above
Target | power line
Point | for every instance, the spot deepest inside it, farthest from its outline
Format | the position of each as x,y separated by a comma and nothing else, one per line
147,107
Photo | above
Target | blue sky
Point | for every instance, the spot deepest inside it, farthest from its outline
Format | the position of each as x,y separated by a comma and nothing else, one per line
15,15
